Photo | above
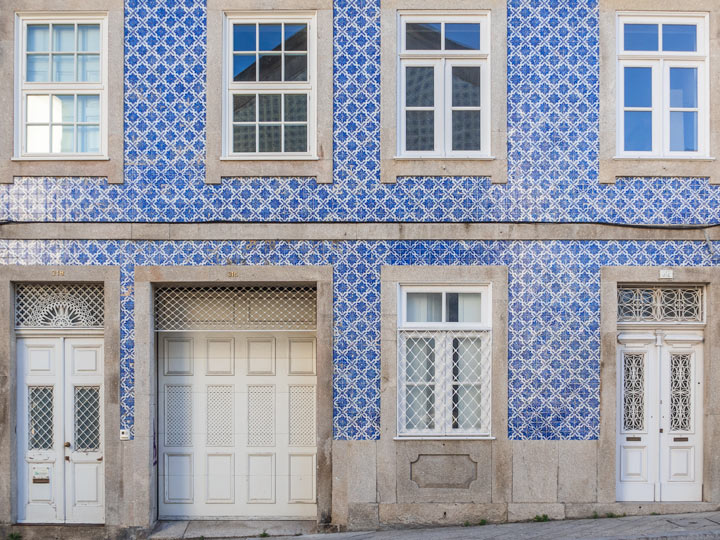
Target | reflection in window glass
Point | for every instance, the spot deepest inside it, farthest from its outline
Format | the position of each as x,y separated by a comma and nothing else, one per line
462,36
641,37
679,37
423,36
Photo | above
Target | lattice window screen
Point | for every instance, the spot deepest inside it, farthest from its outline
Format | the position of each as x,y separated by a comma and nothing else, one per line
633,391
660,304
59,305
178,415
235,308
302,415
680,392
261,415
41,417
87,418
220,415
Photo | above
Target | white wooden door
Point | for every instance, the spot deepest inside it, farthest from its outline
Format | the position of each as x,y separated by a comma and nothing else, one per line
237,425
60,438
659,437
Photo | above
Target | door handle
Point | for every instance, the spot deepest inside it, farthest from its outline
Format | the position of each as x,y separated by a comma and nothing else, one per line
67,445
100,458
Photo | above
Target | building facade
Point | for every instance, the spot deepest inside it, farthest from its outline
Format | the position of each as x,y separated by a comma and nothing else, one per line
357,263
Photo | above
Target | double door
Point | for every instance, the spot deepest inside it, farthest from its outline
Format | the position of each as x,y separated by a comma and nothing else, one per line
659,424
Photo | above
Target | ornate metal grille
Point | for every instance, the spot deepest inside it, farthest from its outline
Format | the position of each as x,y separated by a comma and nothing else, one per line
680,391
59,306
40,414
633,391
87,418
235,308
302,415
261,415
220,415
178,414
660,304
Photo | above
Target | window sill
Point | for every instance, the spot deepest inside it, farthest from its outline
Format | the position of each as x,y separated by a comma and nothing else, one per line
612,168
270,158
443,158
663,158
438,438
492,167
61,158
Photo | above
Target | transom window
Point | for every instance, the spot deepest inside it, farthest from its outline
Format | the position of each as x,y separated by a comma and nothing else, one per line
63,83
662,85
270,91
444,361
444,92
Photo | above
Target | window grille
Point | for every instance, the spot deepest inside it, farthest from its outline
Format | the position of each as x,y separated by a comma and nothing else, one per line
302,415
178,415
634,391
87,418
41,417
660,304
220,416
59,306
680,391
261,415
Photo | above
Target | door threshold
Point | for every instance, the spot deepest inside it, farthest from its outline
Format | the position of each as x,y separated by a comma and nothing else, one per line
176,530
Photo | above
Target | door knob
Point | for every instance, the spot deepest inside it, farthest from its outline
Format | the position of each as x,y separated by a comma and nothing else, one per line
67,445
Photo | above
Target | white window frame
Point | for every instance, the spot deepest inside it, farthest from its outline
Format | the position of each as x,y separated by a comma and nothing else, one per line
24,88
660,62
442,62
231,87
444,330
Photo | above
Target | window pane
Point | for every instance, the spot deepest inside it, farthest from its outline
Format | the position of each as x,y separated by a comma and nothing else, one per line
244,139
63,37
467,407
296,37
296,67
420,360
638,87
270,37
270,67
295,107
244,67
244,108
683,87
40,417
295,138
683,131
465,86
463,307
89,67
63,138
89,139
424,307
638,131
38,68
422,36
466,130
38,139
38,37
63,67
419,86
89,37
462,36
269,109
243,37
419,130
89,108
641,37
420,408
679,37
38,109
269,138
63,109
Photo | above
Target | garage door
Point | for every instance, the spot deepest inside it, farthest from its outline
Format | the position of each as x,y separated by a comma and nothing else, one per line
236,401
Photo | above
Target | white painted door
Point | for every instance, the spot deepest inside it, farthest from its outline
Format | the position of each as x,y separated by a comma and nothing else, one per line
237,425
60,438
659,438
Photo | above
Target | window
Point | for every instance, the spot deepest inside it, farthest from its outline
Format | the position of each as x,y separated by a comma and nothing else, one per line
62,82
663,88
444,86
270,91
444,361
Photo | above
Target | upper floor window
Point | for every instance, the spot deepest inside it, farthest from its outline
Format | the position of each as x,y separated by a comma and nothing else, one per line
444,85
269,102
663,87
62,83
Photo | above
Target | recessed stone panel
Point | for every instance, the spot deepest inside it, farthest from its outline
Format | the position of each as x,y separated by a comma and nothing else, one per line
456,471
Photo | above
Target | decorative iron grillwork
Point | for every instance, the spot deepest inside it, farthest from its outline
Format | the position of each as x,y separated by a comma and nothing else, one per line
633,391
302,415
220,415
235,308
41,415
178,414
680,391
660,304
87,418
59,305
261,415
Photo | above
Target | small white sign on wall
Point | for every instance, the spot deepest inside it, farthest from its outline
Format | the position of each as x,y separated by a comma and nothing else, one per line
666,273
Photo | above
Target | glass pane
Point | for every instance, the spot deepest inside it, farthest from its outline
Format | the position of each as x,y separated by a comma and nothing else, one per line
243,37
269,139
38,109
89,108
683,87
420,408
296,37
641,37
40,418
270,67
38,37
467,407
466,130
296,67
683,131
244,108
244,67
463,307
424,307
465,86
63,37
89,139
679,37
467,359
270,37
89,37
244,139
462,36
295,138
420,360
638,131
295,107
638,87
63,109
38,139
419,86
419,130
38,68
422,36
87,418
63,67
89,67
269,108
63,138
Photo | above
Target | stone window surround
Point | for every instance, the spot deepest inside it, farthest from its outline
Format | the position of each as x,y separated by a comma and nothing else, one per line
110,167
391,166
217,168
612,168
